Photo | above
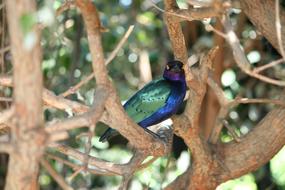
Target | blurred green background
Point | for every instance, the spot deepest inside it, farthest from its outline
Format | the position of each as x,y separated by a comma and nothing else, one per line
66,61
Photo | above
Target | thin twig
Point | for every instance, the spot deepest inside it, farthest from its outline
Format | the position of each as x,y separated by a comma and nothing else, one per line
237,101
104,166
74,88
58,178
231,131
225,108
5,99
191,14
239,54
68,163
145,165
76,167
271,64
217,90
67,5
119,45
209,27
88,147
75,173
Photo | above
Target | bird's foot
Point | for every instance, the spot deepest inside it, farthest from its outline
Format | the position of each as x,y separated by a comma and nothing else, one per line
152,133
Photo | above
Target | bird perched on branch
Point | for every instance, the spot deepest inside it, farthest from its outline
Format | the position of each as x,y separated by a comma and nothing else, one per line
157,101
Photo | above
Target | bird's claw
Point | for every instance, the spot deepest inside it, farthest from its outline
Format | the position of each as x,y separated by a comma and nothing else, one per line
152,133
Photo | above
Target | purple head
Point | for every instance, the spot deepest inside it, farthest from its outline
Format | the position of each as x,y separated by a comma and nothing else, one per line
174,71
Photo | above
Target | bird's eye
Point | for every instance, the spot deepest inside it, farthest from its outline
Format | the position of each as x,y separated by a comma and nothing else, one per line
167,67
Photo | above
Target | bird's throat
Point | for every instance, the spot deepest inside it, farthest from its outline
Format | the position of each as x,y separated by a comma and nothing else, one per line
174,76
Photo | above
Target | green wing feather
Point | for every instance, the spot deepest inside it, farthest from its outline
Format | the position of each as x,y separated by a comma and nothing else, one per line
148,100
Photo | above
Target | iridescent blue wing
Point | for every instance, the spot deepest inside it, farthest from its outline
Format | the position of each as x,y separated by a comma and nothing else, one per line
148,100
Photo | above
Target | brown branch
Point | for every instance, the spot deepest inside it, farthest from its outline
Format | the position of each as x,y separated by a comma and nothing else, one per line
231,131
181,182
136,160
119,45
217,90
51,99
106,168
28,136
61,103
67,5
239,54
227,104
271,64
190,14
76,167
249,154
103,166
175,34
58,178
188,127
278,29
238,100
236,159
93,27
119,120
89,118
257,12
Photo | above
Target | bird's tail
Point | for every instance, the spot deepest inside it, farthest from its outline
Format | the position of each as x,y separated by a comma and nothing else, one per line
108,134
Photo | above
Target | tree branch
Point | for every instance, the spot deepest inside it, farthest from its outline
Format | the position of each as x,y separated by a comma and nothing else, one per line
89,118
249,154
58,178
119,120
28,136
260,14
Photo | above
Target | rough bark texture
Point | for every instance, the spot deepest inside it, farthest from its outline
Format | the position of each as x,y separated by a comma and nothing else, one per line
212,164
28,136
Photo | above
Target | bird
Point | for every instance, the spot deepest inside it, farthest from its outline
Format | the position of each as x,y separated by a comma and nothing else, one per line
157,100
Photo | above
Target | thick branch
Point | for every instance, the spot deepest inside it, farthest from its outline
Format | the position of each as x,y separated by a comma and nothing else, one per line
256,148
120,120
28,138
175,32
261,14
93,26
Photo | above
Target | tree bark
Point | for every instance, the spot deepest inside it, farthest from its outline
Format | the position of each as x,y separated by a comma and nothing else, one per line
28,136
